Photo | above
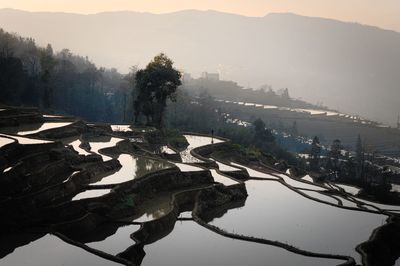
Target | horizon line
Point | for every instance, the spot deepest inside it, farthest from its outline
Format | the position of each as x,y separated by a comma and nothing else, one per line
200,10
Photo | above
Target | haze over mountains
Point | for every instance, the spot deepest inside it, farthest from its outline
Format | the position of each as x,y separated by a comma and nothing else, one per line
351,67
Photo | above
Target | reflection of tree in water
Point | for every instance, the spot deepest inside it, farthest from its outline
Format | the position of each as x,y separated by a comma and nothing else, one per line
144,166
158,207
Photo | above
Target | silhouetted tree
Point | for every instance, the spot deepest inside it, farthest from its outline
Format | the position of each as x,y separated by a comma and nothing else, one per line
155,84
315,153
335,153
359,158
294,129
285,94
261,133
12,78
47,63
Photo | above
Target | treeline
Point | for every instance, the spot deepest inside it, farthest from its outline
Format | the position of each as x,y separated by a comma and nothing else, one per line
362,169
61,81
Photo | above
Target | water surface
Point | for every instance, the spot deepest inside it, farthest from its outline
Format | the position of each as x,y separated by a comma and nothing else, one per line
226,167
222,179
188,168
75,144
27,141
45,126
395,188
349,189
91,193
133,167
52,251
254,173
4,141
167,150
121,128
298,184
117,242
191,244
275,212
102,143
195,142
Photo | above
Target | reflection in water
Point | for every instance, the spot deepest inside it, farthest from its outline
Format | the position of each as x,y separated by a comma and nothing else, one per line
23,127
349,189
121,128
195,142
53,116
226,168
222,179
395,188
288,180
254,173
117,242
379,205
7,169
44,126
25,141
154,208
349,203
167,150
91,193
101,143
188,168
191,244
298,184
75,144
5,141
133,167
50,250
298,110
272,211
308,178
275,212
320,196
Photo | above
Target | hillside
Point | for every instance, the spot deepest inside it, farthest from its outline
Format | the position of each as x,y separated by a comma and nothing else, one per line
347,66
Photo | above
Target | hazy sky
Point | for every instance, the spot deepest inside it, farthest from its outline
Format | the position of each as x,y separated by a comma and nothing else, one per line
382,13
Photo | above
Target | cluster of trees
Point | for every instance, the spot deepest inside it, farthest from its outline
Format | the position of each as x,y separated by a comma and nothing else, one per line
66,83
358,168
37,76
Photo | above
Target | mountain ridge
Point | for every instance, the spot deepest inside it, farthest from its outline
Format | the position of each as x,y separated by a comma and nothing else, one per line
200,11
347,66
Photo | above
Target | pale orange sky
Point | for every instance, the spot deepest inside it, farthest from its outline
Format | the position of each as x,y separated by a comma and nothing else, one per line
381,13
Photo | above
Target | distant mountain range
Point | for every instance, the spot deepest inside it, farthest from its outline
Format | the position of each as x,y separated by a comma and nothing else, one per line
348,66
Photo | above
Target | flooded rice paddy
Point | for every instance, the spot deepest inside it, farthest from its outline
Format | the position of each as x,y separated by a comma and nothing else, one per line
133,167
50,250
195,142
208,248
273,210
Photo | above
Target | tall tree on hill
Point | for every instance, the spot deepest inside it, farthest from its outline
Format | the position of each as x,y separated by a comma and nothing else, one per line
155,84
336,151
315,154
261,133
47,63
294,129
12,78
360,159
